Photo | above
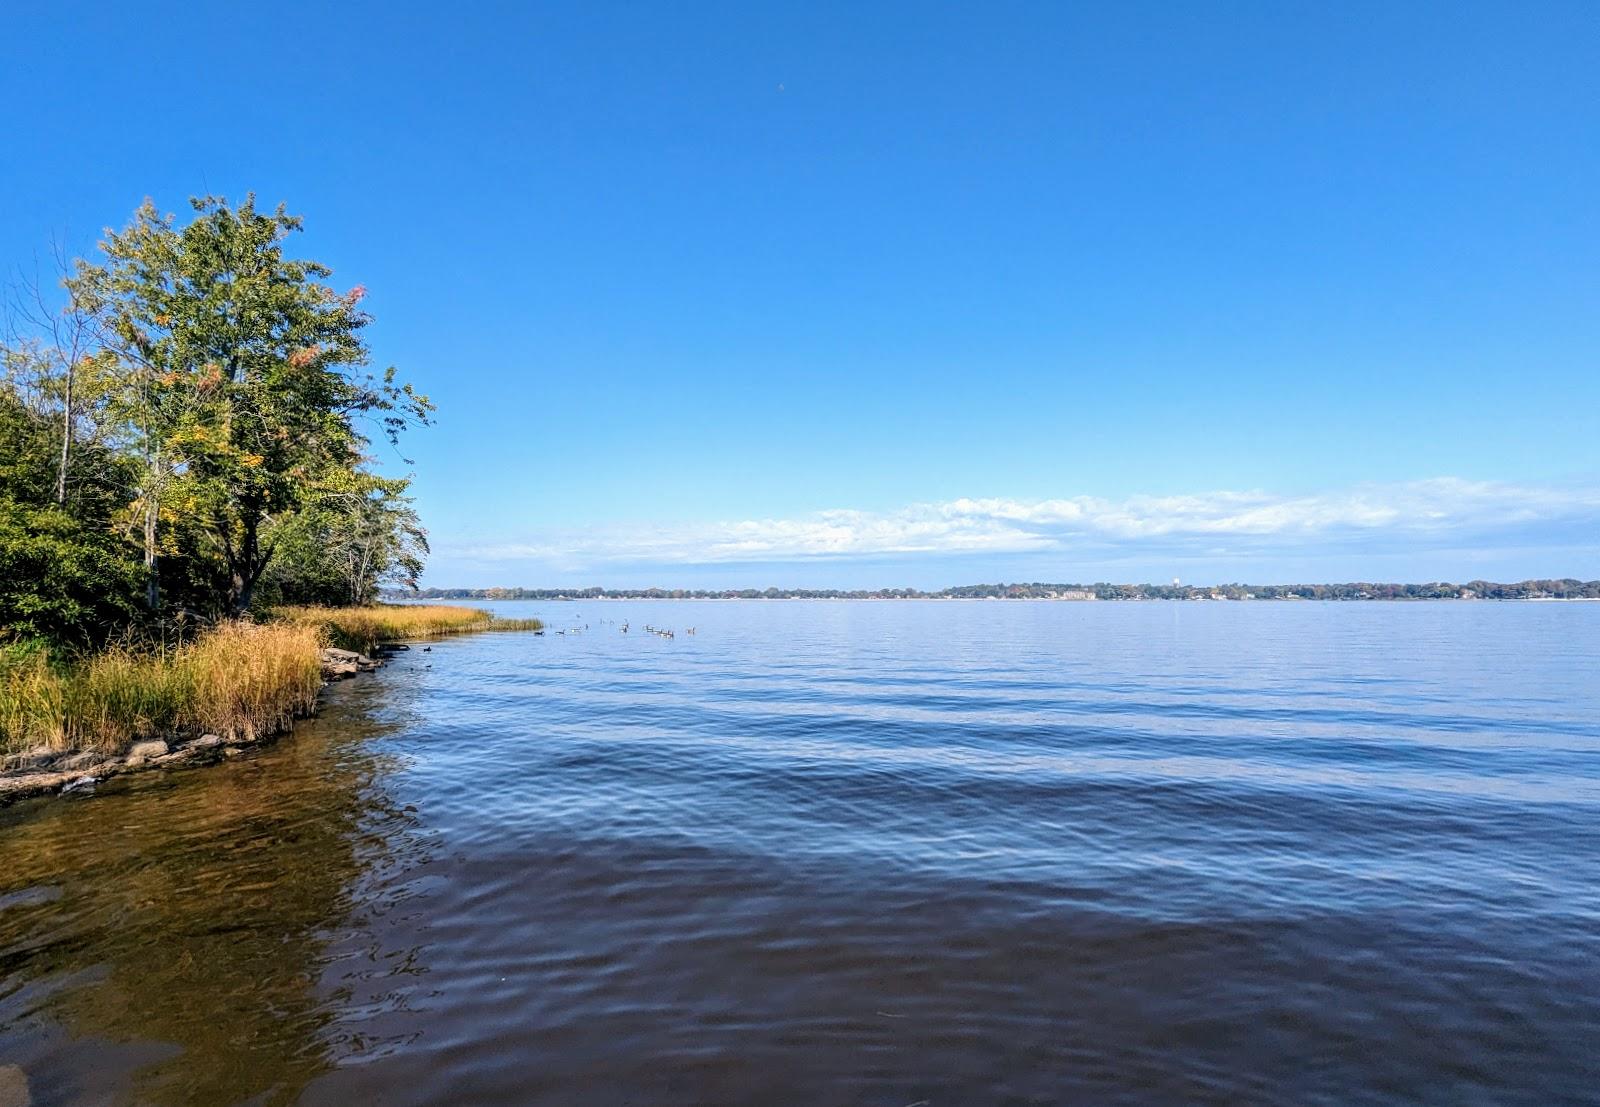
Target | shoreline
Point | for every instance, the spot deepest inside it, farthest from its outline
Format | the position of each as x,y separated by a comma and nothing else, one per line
1032,599
79,772
224,717
1532,588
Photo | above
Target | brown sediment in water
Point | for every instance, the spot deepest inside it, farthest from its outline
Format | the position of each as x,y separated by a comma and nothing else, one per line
170,950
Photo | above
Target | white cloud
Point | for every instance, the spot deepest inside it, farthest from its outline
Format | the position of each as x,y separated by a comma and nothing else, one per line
1444,508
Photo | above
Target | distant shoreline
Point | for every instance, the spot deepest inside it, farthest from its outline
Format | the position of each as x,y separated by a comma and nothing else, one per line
1566,589
992,599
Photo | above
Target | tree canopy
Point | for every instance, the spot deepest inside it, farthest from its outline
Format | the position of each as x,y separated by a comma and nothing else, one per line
217,424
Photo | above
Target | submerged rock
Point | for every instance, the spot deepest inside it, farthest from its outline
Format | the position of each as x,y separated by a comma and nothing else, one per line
14,1087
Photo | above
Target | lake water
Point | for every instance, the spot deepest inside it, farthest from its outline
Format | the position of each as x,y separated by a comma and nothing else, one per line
854,853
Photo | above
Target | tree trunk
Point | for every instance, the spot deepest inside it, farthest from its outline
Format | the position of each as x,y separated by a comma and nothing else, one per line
152,558
66,439
241,589
246,563
153,482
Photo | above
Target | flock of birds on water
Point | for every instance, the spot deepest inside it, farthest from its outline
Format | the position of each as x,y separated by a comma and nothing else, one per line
659,632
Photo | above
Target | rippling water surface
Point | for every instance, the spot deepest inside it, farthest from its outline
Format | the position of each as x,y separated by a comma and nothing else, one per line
854,853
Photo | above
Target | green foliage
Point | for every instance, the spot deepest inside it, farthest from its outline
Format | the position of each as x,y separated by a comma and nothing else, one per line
203,433
62,580
246,373
65,576
360,533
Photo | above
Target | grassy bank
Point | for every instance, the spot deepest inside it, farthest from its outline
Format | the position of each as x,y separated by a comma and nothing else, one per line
365,628
239,681
242,681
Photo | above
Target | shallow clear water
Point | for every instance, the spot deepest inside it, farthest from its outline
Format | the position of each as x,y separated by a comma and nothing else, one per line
855,853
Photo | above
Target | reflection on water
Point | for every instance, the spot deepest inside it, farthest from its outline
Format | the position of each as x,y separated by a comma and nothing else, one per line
169,940
832,853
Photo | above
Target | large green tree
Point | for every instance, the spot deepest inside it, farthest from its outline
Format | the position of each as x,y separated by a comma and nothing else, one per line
243,379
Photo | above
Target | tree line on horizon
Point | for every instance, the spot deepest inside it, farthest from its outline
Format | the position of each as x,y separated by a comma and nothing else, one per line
1564,589
186,433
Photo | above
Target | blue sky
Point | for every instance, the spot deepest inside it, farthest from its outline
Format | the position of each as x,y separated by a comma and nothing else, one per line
908,293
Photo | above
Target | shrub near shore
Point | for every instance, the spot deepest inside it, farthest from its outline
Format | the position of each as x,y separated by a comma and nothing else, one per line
240,680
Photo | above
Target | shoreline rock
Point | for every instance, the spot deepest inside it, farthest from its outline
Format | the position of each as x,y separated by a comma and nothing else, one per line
79,771
339,664
140,752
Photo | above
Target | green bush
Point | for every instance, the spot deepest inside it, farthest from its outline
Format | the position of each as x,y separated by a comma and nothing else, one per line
61,580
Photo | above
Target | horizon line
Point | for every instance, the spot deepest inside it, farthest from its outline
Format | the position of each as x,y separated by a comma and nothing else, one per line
1476,583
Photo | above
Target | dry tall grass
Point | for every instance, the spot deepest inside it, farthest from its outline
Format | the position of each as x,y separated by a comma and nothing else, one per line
250,681
365,628
240,681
